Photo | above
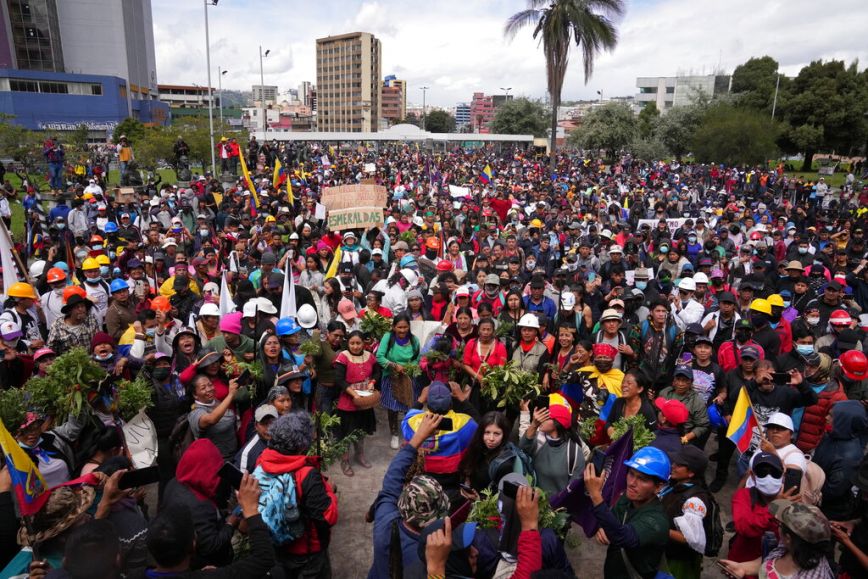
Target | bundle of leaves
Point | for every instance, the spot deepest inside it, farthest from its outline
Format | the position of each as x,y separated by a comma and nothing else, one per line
375,325
13,408
329,447
504,330
485,514
134,396
65,387
436,356
587,429
412,370
311,348
508,385
642,436
408,237
234,369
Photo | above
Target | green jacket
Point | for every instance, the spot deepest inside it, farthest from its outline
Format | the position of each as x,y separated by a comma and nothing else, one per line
697,418
642,533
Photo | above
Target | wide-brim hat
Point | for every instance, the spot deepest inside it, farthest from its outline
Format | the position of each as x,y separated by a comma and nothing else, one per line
73,301
60,512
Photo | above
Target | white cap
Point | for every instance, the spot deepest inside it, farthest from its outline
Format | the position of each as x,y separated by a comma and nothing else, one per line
377,251
169,243
211,287
529,321
607,233
616,249
687,284
568,300
209,310
249,309
700,277
782,420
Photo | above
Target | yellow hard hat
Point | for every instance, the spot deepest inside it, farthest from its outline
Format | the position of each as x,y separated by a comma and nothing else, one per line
21,290
87,196
536,223
775,300
761,305
270,219
103,260
90,263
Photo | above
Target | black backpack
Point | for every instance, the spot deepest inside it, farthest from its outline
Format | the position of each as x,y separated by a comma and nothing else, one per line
181,437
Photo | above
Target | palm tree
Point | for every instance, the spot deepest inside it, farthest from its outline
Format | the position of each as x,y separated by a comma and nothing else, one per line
557,24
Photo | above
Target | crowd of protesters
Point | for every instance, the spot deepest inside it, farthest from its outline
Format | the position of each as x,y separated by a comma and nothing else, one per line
663,291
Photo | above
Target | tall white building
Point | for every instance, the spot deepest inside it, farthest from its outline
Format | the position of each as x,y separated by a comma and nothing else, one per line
267,93
673,91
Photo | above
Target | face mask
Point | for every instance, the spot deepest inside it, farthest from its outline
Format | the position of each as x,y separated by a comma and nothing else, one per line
603,367
161,374
641,285
204,232
664,249
805,349
803,250
104,270
691,239
91,281
103,357
768,485
812,321
530,265
758,321
151,332
787,304
61,226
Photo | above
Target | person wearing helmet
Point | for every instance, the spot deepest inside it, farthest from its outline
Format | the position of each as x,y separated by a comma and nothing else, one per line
530,354
122,309
779,324
841,336
207,322
97,289
52,300
19,310
763,333
635,529
429,260
852,372
686,310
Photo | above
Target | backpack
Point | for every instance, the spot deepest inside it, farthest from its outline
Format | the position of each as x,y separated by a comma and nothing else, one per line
278,504
813,480
181,436
510,459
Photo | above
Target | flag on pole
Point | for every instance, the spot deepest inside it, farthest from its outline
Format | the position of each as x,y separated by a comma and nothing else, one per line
233,264
486,175
227,305
333,266
287,302
7,260
248,181
279,176
742,423
27,483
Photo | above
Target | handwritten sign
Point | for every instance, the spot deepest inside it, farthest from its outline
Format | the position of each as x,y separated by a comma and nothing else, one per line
354,196
355,218
672,224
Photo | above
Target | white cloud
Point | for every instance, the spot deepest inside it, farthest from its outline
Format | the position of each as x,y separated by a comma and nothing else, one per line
457,46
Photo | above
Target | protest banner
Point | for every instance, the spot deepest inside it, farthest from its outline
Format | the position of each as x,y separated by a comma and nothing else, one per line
672,224
456,192
355,218
354,196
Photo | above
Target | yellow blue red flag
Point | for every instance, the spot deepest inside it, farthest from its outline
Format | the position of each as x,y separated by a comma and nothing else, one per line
486,175
27,484
742,423
248,181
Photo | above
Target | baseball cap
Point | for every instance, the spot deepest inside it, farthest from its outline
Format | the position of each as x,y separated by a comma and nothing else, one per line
439,398
780,419
673,410
806,521
684,371
264,412
726,297
750,352
767,458
834,286
10,331
693,458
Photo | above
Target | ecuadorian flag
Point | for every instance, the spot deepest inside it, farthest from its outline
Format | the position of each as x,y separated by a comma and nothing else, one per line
446,448
27,483
486,175
742,423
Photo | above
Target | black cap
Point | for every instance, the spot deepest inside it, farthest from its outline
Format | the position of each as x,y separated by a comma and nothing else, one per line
694,328
726,297
693,458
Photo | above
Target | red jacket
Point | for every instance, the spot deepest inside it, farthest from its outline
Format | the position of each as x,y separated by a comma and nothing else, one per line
317,502
751,520
728,359
529,555
785,333
813,425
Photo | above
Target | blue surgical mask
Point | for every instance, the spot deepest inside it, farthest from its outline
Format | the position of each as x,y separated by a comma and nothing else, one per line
151,332
804,349
104,270
641,285
787,304
803,250
103,357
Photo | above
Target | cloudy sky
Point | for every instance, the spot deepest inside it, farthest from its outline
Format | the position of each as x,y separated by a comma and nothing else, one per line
457,47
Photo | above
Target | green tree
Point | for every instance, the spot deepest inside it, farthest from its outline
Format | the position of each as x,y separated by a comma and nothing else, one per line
521,117
610,127
734,136
132,128
439,122
410,119
647,149
21,145
753,83
649,116
76,141
154,146
825,108
676,128
557,25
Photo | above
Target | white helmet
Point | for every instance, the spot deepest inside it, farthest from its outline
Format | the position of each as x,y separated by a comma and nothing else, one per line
36,268
700,277
381,286
529,321
568,300
209,309
687,284
306,316
411,276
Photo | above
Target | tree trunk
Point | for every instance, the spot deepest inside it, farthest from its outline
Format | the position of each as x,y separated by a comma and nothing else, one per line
809,161
553,161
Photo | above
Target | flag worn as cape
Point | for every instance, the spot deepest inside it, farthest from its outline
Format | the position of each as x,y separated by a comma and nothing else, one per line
27,483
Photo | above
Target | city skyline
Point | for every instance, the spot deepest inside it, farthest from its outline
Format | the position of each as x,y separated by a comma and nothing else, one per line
458,48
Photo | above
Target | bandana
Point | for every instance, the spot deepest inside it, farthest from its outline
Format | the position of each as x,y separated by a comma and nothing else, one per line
607,350
422,501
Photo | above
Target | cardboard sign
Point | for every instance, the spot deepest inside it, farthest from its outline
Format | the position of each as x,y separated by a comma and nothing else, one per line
355,218
672,224
126,195
141,437
354,196
458,192
370,168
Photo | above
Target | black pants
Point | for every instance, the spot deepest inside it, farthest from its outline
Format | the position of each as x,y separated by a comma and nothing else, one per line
725,450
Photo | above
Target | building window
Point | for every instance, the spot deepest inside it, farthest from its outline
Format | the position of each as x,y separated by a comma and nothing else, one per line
16,85
670,90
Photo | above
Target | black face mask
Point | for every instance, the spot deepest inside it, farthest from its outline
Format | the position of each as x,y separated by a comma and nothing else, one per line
743,335
603,366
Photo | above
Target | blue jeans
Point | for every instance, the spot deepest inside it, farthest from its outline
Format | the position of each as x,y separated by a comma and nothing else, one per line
55,172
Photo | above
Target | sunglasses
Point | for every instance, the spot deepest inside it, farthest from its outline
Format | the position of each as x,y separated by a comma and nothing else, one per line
767,470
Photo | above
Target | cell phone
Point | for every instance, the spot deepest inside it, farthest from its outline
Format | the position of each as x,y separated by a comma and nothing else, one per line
139,478
781,377
542,401
466,488
230,473
244,377
445,424
793,478
510,489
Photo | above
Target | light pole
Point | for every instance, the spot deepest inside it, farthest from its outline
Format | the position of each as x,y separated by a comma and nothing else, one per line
424,90
220,74
506,90
600,92
210,99
775,101
262,92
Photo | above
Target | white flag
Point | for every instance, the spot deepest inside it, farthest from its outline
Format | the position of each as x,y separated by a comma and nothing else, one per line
10,270
287,302
226,303
233,265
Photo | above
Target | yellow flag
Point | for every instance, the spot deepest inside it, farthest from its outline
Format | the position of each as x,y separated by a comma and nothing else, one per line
27,483
246,174
333,266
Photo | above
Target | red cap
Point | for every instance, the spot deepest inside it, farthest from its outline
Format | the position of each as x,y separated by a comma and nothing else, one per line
674,411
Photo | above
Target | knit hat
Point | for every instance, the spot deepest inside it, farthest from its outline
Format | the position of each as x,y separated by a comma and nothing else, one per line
560,410
422,501
231,323
101,338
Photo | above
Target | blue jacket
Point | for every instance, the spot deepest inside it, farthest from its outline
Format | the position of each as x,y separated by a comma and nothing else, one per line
386,512
839,455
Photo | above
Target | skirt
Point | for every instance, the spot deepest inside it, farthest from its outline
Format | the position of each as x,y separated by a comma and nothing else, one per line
388,399
363,420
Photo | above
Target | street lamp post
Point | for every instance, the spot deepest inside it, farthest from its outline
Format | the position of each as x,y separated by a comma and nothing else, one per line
220,73
210,95
424,90
262,93
506,91
600,92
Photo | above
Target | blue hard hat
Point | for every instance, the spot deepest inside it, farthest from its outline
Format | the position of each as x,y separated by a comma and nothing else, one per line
111,227
651,461
407,260
62,265
715,417
287,327
118,285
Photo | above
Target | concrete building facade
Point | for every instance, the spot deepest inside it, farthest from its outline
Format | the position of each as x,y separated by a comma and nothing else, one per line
673,91
348,73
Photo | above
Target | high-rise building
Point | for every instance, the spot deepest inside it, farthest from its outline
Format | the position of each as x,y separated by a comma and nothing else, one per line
267,93
481,112
462,115
394,95
307,94
673,91
61,50
348,82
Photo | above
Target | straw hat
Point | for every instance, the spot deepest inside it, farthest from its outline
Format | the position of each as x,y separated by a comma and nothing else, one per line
60,512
